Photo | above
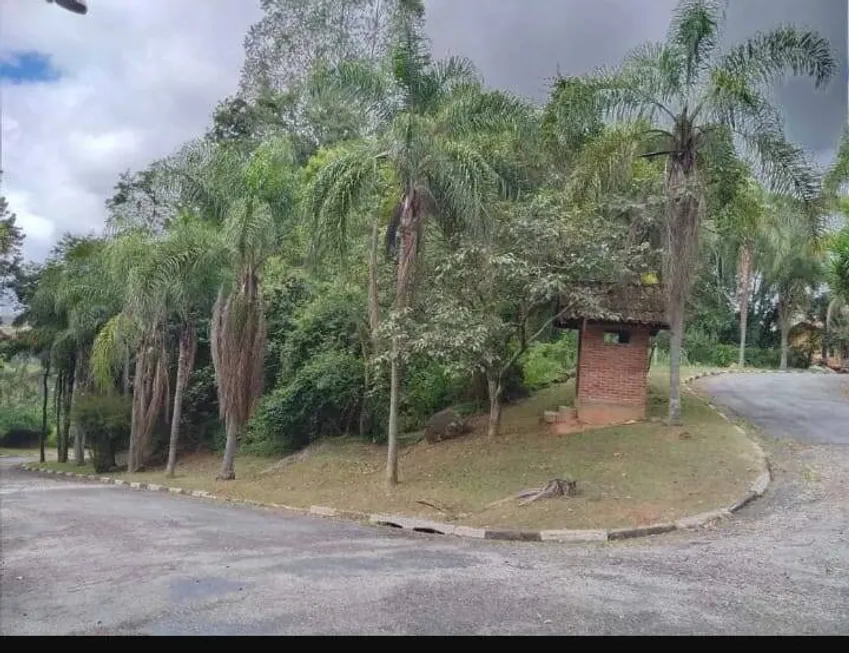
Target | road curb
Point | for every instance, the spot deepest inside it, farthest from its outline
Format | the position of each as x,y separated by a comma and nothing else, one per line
757,489
760,485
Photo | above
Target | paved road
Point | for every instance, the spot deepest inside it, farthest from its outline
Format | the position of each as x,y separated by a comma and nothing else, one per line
81,558
808,407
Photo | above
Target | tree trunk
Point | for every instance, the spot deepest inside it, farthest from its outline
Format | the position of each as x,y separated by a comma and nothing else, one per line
743,298
676,338
392,438
125,375
43,437
68,400
228,470
681,256
373,296
784,317
185,364
58,399
409,229
79,438
495,391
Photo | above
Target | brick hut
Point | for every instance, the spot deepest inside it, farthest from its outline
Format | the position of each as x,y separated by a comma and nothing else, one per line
614,339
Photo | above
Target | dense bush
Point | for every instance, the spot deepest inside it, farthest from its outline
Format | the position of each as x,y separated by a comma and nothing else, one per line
104,422
546,363
323,398
20,426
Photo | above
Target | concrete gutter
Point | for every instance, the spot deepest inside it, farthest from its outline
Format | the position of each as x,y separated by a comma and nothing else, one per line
757,489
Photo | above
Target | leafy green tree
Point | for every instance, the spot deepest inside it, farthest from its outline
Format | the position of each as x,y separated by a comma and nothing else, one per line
697,97
535,265
11,239
426,115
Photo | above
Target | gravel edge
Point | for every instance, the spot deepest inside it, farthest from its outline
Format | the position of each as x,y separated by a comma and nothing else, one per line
756,490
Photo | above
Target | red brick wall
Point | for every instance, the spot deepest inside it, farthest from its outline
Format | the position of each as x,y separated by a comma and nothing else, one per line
613,373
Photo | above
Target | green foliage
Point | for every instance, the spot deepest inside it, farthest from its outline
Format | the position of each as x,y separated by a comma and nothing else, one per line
322,398
547,363
104,422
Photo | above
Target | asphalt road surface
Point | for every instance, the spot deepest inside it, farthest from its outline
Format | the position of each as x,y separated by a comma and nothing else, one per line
807,407
83,558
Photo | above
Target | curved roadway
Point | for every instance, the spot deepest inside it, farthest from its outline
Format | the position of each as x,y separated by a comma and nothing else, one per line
82,558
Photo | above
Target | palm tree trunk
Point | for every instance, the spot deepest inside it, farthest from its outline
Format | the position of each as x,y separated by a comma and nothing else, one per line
495,391
409,229
676,338
784,318
66,407
373,297
185,364
125,374
681,257
394,393
57,397
228,471
79,438
43,437
745,284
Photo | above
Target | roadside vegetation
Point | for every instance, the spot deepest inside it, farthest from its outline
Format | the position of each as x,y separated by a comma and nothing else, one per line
366,236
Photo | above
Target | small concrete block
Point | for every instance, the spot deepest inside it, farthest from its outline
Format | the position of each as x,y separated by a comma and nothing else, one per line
742,503
70,474
468,531
573,536
549,416
701,519
201,494
175,490
154,487
324,511
120,481
513,536
640,531
135,485
760,485
104,479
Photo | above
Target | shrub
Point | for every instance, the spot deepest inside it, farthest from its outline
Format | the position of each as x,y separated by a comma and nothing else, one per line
547,363
104,422
323,398
20,426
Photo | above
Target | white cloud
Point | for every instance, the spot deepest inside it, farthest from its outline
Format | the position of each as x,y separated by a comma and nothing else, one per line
138,78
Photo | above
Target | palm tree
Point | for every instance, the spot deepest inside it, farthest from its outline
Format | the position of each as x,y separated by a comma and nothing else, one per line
135,335
705,106
426,116
742,220
837,316
251,199
792,265
189,274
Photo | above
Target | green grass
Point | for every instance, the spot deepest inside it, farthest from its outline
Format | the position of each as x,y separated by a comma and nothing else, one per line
631,475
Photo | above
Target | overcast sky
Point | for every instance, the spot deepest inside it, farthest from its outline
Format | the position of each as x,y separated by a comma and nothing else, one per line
133,79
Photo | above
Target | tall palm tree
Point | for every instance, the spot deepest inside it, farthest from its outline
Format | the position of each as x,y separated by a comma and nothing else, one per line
251,199
136,331
189,274
742,220
426,118
791,265
699,99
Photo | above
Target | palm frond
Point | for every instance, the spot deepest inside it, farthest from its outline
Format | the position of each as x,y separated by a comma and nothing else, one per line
696,28
838,173
767,57
337,188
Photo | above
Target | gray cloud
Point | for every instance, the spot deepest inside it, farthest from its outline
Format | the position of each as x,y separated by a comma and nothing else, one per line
519,45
